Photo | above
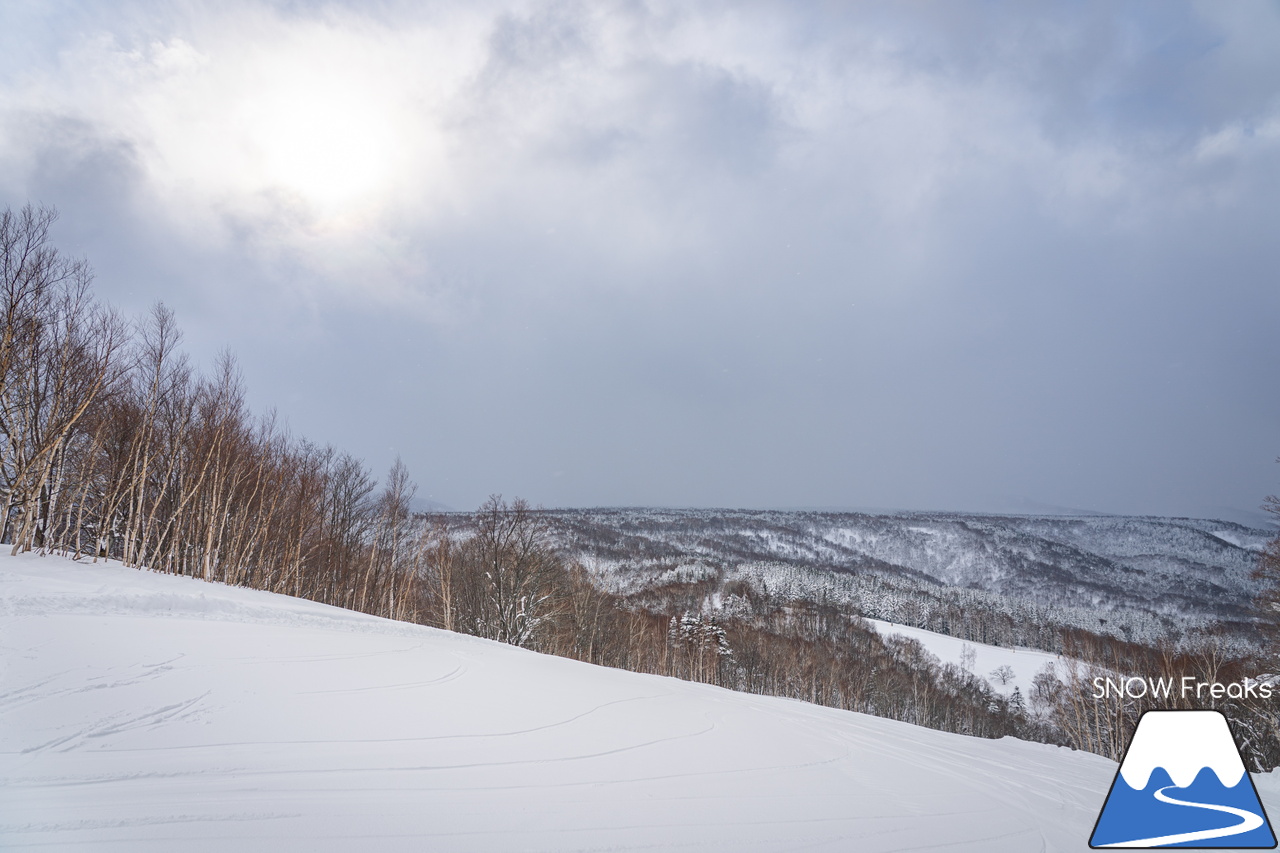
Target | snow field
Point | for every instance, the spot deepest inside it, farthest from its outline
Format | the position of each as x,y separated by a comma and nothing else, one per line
1025,663
143,712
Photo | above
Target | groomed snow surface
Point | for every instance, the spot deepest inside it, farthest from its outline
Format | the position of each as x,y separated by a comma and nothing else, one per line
141,712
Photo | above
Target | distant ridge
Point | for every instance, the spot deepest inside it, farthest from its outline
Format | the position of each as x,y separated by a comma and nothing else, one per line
1177,569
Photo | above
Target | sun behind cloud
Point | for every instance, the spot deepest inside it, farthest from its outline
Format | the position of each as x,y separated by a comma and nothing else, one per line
290,130
324,135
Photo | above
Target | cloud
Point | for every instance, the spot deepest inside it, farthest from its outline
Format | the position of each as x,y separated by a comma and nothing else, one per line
882,253
255,128
318,133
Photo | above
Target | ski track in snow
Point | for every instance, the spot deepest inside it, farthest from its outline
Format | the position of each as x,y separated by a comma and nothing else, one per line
140,712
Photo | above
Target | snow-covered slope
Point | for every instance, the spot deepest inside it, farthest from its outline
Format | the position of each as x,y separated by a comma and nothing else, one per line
141,712
1023,664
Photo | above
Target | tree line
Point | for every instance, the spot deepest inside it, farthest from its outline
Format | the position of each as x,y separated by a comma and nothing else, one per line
114,446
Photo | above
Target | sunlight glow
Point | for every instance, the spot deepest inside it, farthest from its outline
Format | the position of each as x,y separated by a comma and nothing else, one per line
329,141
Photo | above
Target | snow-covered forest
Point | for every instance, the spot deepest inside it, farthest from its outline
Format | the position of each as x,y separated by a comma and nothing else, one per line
1107,595
116,448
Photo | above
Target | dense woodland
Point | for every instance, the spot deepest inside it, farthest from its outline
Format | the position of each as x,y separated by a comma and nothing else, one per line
115,447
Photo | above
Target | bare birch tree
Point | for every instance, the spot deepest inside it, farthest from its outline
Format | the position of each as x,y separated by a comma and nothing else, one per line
516,570
59,351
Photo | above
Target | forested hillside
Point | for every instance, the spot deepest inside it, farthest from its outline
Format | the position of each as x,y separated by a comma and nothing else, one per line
1134,577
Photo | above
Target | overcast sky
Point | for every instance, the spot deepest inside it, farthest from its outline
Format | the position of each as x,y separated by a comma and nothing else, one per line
969,256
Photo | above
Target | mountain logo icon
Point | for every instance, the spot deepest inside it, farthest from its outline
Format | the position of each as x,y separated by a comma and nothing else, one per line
1183,784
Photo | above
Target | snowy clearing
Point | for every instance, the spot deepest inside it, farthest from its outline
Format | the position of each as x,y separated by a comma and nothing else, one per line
143,712
1024,663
